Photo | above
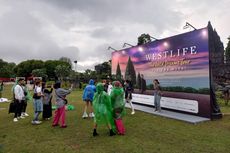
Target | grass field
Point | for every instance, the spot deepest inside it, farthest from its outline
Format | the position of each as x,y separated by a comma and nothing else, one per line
146,133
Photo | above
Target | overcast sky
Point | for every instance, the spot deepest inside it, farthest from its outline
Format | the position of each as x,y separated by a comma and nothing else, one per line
82,30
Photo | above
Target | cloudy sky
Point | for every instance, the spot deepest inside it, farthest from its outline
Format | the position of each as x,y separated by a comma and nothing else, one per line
82,30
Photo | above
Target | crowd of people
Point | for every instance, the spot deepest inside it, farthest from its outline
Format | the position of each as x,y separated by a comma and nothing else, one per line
104,102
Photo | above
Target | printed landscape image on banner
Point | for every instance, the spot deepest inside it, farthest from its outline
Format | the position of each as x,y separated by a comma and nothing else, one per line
180,63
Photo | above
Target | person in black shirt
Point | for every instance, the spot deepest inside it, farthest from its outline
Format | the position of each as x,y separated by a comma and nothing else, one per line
128,86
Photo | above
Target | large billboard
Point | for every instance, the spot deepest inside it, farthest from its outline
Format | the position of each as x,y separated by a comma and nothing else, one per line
180,63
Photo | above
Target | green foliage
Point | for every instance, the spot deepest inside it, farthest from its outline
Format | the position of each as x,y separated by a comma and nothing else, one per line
40,73
102,71
62,71
66,84
25,68
130,72
50,66
6,69
143,39
66,60
50,83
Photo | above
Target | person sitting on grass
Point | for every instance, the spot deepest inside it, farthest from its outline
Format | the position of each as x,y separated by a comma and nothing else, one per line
103,110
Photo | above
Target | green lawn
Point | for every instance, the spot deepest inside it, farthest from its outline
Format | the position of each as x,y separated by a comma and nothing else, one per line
146,133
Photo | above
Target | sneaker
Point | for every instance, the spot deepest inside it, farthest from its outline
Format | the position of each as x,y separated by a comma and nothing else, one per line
85,115
15,119
33,122
25,114
22,117
37,122
91,115
133,112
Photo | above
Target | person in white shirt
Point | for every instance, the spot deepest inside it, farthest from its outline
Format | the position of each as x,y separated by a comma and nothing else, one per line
19,96
110,88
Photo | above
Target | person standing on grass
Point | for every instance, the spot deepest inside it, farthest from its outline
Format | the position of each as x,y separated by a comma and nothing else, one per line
103,110
226,94
1,89
157,95
87,97
110,88
38,106
26,98
118,105
61,101
19,97
128,94
47,104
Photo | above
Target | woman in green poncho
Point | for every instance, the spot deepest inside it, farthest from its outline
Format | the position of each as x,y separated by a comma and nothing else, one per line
103,110
118,104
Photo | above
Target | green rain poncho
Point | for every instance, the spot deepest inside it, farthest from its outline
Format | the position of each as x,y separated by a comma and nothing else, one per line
102,107
117,101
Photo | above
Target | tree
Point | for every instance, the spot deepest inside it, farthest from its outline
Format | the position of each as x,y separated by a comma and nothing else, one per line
6,69
118,72
67,60
25,68
50,66
62,71
143,39
103,70
130,73
40,73
227,51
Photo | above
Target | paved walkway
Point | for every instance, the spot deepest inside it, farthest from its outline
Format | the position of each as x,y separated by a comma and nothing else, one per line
170,114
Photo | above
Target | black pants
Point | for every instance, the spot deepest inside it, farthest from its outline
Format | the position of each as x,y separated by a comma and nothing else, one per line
18,108
24,105
47,111
128,95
